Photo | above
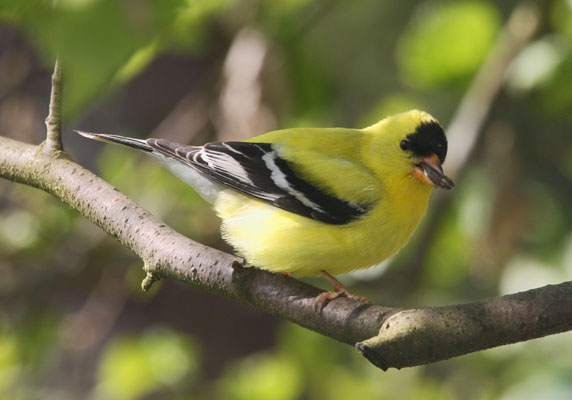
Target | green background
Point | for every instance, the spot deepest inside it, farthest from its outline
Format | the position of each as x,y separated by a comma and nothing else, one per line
74,322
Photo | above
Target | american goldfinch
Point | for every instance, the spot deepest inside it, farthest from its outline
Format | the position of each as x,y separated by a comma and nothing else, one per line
316,201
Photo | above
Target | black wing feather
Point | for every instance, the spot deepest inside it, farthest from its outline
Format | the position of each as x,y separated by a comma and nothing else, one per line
256,170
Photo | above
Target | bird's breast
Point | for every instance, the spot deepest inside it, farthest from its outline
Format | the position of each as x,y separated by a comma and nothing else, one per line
280,241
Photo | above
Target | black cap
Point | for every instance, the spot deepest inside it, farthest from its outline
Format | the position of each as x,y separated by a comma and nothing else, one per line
428,139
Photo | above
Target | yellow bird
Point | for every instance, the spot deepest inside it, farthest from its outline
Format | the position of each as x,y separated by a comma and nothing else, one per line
314,201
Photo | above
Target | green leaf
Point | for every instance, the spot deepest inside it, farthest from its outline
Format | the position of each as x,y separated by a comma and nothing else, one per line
133,367
102,43
446,43
262,377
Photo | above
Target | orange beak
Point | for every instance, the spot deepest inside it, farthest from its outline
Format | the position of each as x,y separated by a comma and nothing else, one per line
429,171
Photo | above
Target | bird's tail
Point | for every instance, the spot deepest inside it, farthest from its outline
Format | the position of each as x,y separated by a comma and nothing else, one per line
126,141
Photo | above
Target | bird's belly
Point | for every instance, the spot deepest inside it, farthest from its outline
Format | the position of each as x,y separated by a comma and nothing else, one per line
280,241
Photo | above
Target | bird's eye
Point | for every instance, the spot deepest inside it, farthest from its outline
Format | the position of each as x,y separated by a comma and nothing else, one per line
404,145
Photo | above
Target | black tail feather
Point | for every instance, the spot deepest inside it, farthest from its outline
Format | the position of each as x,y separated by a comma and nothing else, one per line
126,141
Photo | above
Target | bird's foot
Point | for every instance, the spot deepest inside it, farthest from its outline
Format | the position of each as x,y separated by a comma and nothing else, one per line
324,297
339,291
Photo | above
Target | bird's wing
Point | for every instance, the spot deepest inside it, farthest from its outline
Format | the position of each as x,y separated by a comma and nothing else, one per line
256,169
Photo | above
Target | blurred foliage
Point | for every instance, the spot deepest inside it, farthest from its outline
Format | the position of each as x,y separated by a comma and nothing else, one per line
468,28
131,367
74,323
98,40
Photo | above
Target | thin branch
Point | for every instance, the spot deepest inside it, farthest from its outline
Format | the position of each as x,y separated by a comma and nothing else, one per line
53,143
388,337
468,121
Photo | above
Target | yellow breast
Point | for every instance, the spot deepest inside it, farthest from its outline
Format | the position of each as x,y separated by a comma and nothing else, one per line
280,241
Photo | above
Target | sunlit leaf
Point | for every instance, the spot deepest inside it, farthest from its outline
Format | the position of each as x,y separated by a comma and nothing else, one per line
9,361
524,273
446,42
98,40
18,229
262,377
132,366
536,63
124,371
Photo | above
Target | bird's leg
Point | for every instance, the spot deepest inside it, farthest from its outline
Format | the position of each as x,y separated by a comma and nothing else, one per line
339,290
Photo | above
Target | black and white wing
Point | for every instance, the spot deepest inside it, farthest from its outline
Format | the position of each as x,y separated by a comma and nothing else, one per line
255,169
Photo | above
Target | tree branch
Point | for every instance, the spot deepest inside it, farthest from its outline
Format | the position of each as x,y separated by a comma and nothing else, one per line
470,117
53,143
424,335
388,337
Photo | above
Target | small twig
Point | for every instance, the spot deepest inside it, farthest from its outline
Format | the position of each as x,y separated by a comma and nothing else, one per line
53,142
474,110
150,278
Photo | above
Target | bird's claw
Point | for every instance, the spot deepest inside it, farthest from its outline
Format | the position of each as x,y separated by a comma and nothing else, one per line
324,297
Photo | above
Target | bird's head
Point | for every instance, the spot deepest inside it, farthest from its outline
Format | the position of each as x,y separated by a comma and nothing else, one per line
412,143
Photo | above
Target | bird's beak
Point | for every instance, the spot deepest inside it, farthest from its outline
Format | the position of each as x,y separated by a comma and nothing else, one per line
429,171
